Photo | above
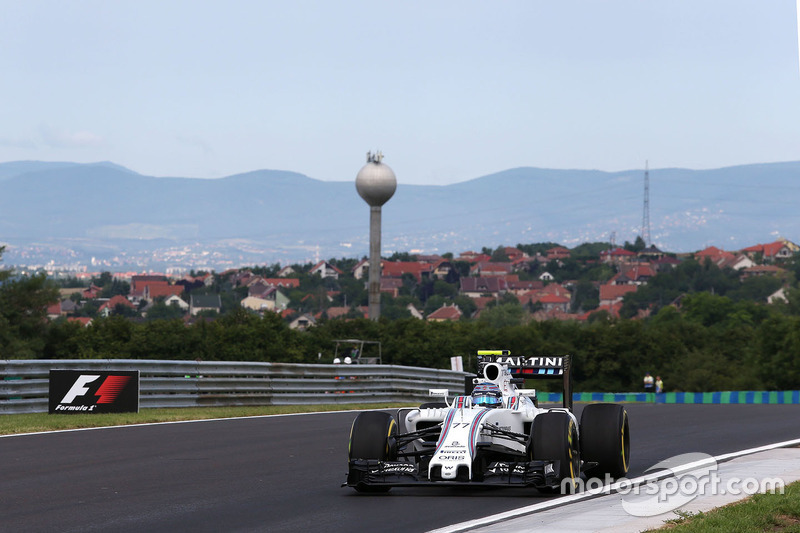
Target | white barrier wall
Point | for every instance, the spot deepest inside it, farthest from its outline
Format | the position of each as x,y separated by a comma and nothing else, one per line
24,383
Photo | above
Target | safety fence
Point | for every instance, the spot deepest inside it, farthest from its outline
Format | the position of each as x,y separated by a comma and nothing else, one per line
24,384
736,397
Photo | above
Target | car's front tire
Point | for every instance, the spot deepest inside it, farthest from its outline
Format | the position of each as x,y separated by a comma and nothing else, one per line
371,437
554,437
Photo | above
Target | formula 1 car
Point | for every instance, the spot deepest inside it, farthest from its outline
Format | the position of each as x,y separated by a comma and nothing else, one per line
495,435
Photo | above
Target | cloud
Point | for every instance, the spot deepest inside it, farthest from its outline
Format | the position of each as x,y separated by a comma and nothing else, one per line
55,138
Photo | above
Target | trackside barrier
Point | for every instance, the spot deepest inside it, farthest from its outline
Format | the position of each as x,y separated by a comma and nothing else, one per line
738,397
24,384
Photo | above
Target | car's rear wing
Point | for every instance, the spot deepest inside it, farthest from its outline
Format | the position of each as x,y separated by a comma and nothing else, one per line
536,367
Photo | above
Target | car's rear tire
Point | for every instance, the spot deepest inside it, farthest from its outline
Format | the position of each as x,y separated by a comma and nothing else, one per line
372,437
605,438
554,437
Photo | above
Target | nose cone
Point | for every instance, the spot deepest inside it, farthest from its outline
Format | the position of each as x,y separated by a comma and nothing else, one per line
376,183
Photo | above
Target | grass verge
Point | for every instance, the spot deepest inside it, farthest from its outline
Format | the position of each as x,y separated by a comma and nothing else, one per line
35,422
761,512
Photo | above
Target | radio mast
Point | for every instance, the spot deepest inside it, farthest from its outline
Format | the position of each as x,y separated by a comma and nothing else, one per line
646,207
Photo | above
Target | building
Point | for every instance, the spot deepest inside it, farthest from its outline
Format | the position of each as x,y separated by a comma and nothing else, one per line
204,302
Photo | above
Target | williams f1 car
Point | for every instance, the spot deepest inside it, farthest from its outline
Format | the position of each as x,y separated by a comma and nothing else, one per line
496,434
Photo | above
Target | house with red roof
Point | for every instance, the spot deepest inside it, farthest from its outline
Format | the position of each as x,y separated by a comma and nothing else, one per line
110,306
153,291
552,302
524,263
84,321
54,310
139,282
554,294
514,253
473,257
612,309
555,288
617,255
771,251
396,269
92,292
490,268
285,283
446,313
713,254
481,303
633,274
738,262
556,253
612,294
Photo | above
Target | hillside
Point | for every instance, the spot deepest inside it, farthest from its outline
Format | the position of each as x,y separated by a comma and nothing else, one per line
103,209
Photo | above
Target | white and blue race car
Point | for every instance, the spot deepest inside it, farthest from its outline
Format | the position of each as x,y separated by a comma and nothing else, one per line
496,434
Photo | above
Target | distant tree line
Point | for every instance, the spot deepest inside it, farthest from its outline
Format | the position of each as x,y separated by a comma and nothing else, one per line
711,343
705,333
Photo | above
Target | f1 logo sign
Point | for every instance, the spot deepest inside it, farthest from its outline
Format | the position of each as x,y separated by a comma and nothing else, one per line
107,392
79,388
98,392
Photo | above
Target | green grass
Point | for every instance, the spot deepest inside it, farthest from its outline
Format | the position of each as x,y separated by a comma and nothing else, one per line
34,422
761,512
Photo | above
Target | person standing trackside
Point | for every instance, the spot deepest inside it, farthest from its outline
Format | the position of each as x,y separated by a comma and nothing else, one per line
659,385
648,382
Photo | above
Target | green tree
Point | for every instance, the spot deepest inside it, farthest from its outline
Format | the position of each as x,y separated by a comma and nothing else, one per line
401,256
637,246
537,248
499,255
503,315
23,313
587,296
161,311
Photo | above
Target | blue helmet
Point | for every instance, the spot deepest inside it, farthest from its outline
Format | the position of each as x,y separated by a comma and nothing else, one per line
487,395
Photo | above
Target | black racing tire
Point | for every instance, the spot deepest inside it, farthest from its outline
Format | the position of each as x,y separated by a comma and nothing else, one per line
606,438
554,437
372,437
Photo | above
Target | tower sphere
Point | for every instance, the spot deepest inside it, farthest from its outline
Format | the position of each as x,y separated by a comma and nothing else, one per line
375,181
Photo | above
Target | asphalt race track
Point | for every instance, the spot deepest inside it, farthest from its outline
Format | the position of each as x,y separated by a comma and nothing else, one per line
284,473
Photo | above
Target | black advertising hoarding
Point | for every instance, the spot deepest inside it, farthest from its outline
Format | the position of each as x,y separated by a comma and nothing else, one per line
87,391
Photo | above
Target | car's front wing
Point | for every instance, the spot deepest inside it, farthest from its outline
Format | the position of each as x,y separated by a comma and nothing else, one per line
537,474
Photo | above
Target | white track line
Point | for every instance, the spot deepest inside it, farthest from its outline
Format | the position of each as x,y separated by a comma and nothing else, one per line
609,489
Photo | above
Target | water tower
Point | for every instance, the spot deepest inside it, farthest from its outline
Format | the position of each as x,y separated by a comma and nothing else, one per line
375,183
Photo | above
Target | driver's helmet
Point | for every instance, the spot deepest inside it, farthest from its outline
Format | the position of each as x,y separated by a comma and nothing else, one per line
487,395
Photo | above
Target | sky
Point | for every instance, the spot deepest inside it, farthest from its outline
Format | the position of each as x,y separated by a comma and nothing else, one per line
447,90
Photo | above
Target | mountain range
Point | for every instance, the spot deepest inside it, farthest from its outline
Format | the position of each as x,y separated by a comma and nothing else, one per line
104,210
